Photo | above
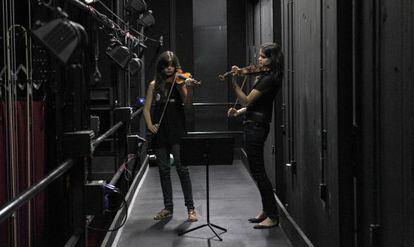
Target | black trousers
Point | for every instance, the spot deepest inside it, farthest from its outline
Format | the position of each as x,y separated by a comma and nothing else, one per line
163,158
255,135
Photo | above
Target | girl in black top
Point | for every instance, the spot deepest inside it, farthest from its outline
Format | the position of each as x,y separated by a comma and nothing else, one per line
258,114
168,130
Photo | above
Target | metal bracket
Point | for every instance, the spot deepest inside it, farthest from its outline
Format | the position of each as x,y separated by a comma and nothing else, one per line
323,191
135,143
292,166
77,144
123,114
374,232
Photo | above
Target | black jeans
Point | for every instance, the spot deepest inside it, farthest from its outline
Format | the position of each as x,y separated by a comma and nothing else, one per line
255,135
163,156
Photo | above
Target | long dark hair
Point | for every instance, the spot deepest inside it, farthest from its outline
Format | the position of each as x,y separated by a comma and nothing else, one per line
273,51
167,58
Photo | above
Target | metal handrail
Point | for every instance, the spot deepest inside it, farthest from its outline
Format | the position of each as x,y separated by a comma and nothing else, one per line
96,142
213,104
29,193
214,132
117,175
105,135
134,114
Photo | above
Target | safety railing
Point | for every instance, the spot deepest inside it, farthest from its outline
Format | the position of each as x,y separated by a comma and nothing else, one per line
28,194
63,168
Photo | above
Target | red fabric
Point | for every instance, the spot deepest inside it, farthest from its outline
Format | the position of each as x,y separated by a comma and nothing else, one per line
4,241
37,172
39,160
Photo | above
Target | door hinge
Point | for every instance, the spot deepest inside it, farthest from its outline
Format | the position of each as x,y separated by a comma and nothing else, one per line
374,232
324,139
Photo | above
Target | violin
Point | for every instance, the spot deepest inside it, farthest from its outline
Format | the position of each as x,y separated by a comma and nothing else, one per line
181,76
249,70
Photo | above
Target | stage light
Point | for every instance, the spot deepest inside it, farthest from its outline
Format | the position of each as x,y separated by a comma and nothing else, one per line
135,65
61,37
120,54
147,19
136,6
140,101
90,1
123,56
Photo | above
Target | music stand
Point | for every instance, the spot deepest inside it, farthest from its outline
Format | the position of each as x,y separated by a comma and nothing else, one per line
206,150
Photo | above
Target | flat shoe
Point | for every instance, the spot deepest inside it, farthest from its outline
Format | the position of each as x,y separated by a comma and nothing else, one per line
264,226
267,223
256,220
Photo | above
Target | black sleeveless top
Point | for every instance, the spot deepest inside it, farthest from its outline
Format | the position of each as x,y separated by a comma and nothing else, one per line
172,127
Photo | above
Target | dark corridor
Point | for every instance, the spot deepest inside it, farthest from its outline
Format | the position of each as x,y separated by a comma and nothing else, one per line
76,164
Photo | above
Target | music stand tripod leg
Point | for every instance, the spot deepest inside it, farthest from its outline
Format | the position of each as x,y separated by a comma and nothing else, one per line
208,199
204,147
215,233
219,227
192,229
208,207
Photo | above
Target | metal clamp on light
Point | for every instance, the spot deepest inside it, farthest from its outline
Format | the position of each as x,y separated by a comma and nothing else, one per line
147,19
136,6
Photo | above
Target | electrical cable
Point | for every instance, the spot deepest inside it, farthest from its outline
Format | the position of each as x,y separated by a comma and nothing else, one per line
123,205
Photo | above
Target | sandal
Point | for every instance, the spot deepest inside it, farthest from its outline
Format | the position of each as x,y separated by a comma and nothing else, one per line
163,214
192,216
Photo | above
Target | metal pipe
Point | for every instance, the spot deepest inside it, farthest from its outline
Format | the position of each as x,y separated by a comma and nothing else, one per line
117,175
213,132
112,130
105,135
29,193
376,91
214,104
74,239
323,132
354,113
137,112
11,111
103,19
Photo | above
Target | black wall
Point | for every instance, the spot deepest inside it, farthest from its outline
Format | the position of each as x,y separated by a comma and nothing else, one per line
210,60
348,94
317,99
199,33
236,47
385,103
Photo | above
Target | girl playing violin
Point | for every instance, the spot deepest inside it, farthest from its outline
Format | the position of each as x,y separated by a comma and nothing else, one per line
258,114
168,92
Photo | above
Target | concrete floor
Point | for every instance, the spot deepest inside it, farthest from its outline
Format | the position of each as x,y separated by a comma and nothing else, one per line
233,199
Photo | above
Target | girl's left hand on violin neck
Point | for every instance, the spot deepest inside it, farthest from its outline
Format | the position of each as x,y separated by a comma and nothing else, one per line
186,78
190,82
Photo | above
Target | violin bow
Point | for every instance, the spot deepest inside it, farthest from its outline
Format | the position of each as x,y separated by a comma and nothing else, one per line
168,99
241,87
